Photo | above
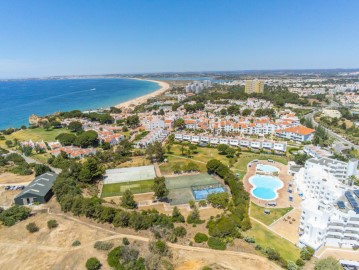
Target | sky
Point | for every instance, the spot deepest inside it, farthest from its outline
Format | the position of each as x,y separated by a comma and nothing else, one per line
48,38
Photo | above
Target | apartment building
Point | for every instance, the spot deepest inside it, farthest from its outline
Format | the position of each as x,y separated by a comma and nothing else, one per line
233,141
297,133
330,213
254,86
157,135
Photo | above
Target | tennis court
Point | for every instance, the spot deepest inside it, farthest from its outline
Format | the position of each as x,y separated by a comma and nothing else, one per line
180,187
124,175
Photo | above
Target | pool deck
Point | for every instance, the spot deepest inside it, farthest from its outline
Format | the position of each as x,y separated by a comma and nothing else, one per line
283,195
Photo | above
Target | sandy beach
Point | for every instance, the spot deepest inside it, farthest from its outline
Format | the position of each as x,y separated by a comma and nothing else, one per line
142,99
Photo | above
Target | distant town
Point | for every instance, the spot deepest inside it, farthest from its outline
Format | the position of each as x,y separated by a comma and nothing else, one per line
263,165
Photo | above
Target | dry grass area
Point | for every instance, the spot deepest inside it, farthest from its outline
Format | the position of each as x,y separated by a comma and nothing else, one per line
52,249
10,178
7,196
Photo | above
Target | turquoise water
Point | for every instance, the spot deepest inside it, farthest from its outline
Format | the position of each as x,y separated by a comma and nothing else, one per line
267,168
202,194
21,98
265,187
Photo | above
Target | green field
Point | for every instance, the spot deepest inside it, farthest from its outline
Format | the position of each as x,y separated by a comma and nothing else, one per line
266,238
137,187
275,213
35,134
245,158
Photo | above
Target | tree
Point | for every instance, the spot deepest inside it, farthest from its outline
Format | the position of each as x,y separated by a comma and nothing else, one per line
14,214
66,138
177,216
93,264
132,121
176,168
155,152
91,170
200,237
87,138
159,188
159,247
127,200
300,159
194,217
41,169
8,143
179,123
291,265
219,200
329,263
222,148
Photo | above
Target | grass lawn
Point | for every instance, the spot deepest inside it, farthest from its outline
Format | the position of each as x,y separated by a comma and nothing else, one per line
35,134
118,189
266,238
275,213
166,168
135,162
245,158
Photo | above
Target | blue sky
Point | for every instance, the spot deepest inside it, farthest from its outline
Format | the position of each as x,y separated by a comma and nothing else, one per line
44,38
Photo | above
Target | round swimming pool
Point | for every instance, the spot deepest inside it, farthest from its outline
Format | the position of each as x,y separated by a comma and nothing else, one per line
267,168
265,187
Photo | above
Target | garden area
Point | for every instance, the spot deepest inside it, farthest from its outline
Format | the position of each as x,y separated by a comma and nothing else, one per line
257,212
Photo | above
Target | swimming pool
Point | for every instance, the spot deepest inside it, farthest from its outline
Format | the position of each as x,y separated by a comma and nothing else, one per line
265,187
203,193
267,168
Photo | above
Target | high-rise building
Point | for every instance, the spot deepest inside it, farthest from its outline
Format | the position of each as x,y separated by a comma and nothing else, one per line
254,86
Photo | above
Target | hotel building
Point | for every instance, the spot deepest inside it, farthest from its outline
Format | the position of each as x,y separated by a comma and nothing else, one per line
254,86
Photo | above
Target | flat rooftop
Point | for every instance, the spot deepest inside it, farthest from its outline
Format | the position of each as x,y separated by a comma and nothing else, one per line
122,175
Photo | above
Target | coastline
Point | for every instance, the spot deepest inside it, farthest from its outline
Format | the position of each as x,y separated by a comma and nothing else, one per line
142,99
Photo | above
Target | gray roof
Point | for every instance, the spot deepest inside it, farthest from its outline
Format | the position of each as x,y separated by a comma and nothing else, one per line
41,185
326,161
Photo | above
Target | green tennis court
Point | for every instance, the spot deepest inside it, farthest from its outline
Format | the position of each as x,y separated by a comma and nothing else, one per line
137,187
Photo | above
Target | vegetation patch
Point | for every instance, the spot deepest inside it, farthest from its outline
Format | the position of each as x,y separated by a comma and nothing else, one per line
118,189
257,212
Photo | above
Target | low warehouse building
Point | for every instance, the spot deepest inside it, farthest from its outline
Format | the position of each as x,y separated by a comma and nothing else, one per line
38,191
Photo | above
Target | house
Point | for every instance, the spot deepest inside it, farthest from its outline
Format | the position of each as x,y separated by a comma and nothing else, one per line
38,191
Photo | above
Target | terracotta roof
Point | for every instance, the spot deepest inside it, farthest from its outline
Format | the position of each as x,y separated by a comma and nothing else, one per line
302,130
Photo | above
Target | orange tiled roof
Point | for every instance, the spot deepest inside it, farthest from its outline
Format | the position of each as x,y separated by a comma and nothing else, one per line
302,130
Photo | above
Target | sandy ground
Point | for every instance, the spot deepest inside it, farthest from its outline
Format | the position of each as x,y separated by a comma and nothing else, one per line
137,101
52,249
288,228
10,178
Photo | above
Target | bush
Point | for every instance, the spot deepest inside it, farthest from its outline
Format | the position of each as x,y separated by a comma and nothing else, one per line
291,265
249,239
159,247
76,243
14,214
51,224
200,238
180,231
93,264
125,241
300,262
329,263
216,243
100,245
306,253
32,227
219,200
272,254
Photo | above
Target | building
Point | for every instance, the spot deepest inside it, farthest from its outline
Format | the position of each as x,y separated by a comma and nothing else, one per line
340,169
330,213
316,151
157,135
297,133
254,86
38,191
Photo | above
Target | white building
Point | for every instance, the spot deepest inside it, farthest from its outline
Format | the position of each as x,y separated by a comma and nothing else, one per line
330,213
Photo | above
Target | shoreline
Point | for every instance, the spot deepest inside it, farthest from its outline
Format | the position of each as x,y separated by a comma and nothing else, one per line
142,99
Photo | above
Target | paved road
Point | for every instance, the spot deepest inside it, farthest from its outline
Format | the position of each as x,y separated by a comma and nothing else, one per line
331,133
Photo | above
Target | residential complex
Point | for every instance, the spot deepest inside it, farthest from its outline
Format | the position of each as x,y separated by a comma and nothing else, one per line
330,213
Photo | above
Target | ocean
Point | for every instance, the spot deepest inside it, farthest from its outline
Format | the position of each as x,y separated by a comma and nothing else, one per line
21,98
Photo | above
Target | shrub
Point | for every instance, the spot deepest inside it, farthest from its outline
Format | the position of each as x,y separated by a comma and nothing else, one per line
329,263
125,241
200,238
93,264
14,214
219,200
249,239
272,254
216,243
206,268
177,216
300,262
52,223
158,247
32,227
291,265
180,231
306,253
76,243
101,245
